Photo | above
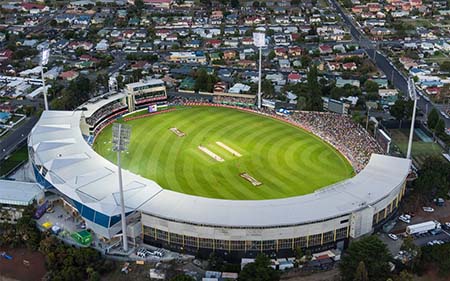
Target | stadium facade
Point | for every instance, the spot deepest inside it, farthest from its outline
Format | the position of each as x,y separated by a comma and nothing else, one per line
65,163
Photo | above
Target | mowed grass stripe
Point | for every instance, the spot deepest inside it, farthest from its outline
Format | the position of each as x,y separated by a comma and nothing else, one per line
287,160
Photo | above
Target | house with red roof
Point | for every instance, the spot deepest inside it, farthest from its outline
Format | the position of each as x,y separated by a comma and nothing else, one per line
349,66
34,8
415,3
247,41
215,43
6,55
69,75
325,49
281,52
295,51
294,78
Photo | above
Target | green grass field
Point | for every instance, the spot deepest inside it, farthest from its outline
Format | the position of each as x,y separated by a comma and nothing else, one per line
420,150
288,161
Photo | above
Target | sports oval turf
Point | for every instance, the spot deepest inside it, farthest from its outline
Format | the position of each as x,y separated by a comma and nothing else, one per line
287,160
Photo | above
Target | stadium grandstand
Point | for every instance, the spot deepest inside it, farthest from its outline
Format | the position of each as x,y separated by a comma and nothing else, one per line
65,163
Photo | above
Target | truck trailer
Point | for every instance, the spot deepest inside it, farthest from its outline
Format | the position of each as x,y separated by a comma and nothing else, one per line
422,227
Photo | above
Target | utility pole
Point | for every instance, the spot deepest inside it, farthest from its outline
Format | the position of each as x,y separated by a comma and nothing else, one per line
413,96
259,40
121,139
44,60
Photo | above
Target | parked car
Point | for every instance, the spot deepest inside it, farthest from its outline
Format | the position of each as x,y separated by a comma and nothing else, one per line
428,209
404,219
393,236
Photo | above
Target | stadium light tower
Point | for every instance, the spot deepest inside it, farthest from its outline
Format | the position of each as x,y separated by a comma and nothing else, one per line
259,40
45,54
413,96
121,139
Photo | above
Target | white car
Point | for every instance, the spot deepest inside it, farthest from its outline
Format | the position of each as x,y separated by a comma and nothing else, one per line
428,209
393,236
404,219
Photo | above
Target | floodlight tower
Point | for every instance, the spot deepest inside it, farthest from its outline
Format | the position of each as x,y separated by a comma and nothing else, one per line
45,54
121,139
259,40
413,96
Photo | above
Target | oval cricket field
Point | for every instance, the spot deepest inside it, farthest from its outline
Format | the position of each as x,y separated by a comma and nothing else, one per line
227,153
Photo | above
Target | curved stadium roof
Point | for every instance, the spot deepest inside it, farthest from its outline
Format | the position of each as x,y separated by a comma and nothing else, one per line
77,171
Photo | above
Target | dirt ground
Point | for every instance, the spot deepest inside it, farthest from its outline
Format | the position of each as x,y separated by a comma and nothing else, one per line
16,270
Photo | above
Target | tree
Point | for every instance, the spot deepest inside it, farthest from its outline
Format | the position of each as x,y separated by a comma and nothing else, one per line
440,127
401,109
271,55
234,4
371,86
434,178
445,66
182,277
259,270
433,118
139,5
361,272
404,276
305,61
375,255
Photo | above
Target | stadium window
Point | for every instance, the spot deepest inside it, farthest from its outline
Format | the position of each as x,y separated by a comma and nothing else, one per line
285,244
341,233
269,244
221,244
190,241
300,242
253,245
149,231
176,238
206,243
237,245
161,235
315,239
328,237
344,221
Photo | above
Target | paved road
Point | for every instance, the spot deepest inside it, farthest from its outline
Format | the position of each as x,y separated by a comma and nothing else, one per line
16,136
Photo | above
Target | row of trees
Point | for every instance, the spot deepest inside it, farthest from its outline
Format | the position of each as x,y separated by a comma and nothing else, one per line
77,92
23,233
69,263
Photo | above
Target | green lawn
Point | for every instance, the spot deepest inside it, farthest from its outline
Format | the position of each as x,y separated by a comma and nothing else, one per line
420,150
287,160
17,157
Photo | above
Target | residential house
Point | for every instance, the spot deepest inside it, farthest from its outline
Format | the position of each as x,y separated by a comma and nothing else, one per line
215,43
220,87
284,64
294,78
349,66
6,55
159,4
229,54
69,75
325,49
295,51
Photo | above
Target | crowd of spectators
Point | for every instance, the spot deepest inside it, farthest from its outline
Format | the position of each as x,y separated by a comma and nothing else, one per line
234,100
344,134
104,111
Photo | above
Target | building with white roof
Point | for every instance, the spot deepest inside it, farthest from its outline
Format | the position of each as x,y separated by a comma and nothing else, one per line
64,162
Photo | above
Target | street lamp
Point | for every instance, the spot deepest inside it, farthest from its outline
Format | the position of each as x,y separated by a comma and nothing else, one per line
259,40
120,140
44,60
413,96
